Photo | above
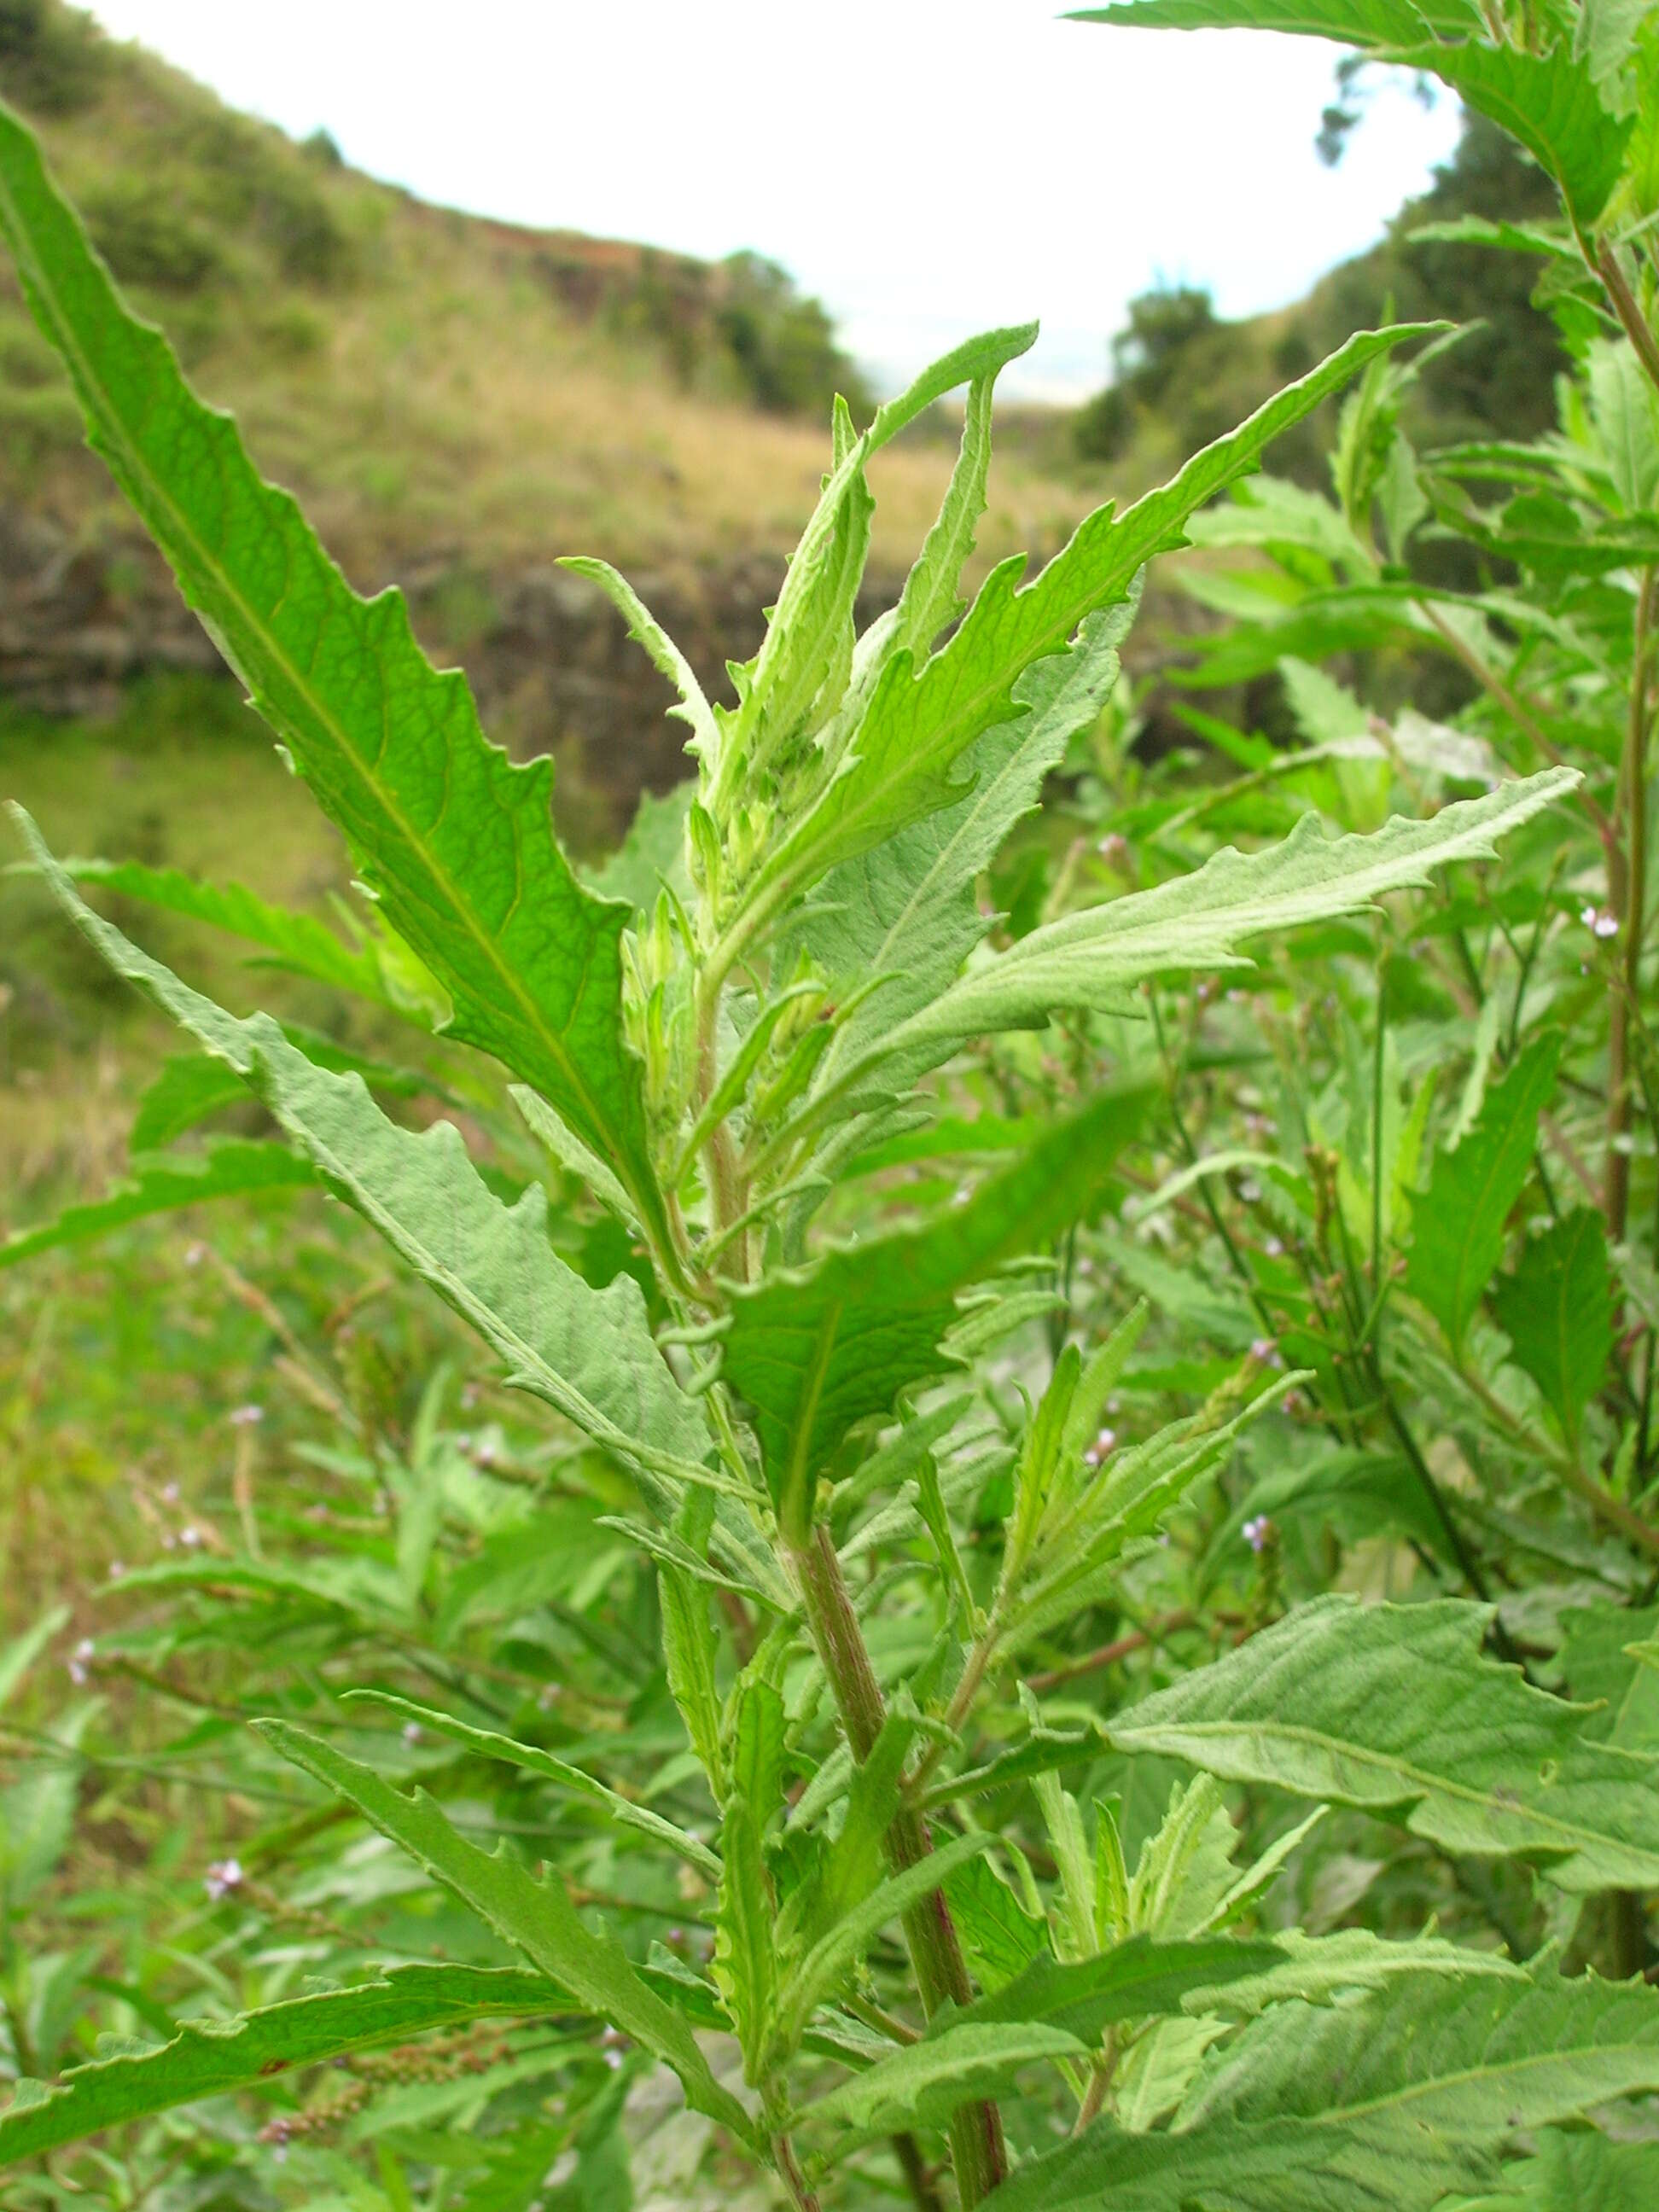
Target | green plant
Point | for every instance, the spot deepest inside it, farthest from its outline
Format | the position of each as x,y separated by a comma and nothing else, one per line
854,1419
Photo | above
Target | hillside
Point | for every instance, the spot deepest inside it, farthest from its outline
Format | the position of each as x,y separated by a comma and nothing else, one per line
456,401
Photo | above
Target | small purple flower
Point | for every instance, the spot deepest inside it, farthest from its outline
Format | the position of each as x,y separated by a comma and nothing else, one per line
190,1538
170,1493
80,1663
1599,921
413,1731
194,1254
1258,1533
1265,1352
1104,1444
245,1417
1275,1247
117,1568
224,1878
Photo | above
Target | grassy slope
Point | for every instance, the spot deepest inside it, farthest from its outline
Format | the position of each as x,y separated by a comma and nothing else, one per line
422,377
433,385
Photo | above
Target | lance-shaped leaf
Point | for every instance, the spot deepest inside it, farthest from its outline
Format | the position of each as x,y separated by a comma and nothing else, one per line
536,1918
1548,101
907,911
660,649
1200,920
806,658
1382,2107
820,1973
295,940
923,2085
455,840
1393,1709
815,1353
230,1169
534,1760
1140,1980
587,1352
211,2058
1556,1311
1457,1226
1352,23
900,762
193,1085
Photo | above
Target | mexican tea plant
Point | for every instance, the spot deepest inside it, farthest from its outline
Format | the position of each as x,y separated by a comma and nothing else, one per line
854,1412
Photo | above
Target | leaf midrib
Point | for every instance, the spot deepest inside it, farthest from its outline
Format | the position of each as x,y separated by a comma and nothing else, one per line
1359,1755
70,344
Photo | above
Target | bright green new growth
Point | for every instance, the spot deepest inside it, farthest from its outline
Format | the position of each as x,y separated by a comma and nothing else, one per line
795,949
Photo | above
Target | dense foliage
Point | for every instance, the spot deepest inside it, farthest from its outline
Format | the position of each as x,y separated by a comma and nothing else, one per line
1048,1589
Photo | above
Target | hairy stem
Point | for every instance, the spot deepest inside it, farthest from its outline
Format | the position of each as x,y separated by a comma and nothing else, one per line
1605,262
783,2157
977,2151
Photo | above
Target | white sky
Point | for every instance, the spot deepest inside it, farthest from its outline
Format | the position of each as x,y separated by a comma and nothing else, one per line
928,167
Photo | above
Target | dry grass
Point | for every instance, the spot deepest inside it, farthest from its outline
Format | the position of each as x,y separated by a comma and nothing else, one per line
451,386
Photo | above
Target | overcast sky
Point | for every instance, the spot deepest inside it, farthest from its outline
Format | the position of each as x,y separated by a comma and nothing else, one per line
928,167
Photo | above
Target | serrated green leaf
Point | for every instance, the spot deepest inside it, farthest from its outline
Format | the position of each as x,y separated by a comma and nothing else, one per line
1457,1226
816,1353
1601,1669
906,911
231,1167
215,2057
1548,101
1322,1969
1393,1709
588,1353
923,2084
901,761
1577,2171
1200,920
1556,1309
296,941
1000,1937
930,598
456,841
757,1751
1607,39
664,655
1624,409
745,1940
1477,2060
534,1760
192,1086
535,1918
820,1972
806,657
1138,1979
1379,2107
1351,22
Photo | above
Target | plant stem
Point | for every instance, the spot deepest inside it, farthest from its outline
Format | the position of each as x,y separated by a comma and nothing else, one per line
783,2156
1628,882
1605,262
977,2151
917,2179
